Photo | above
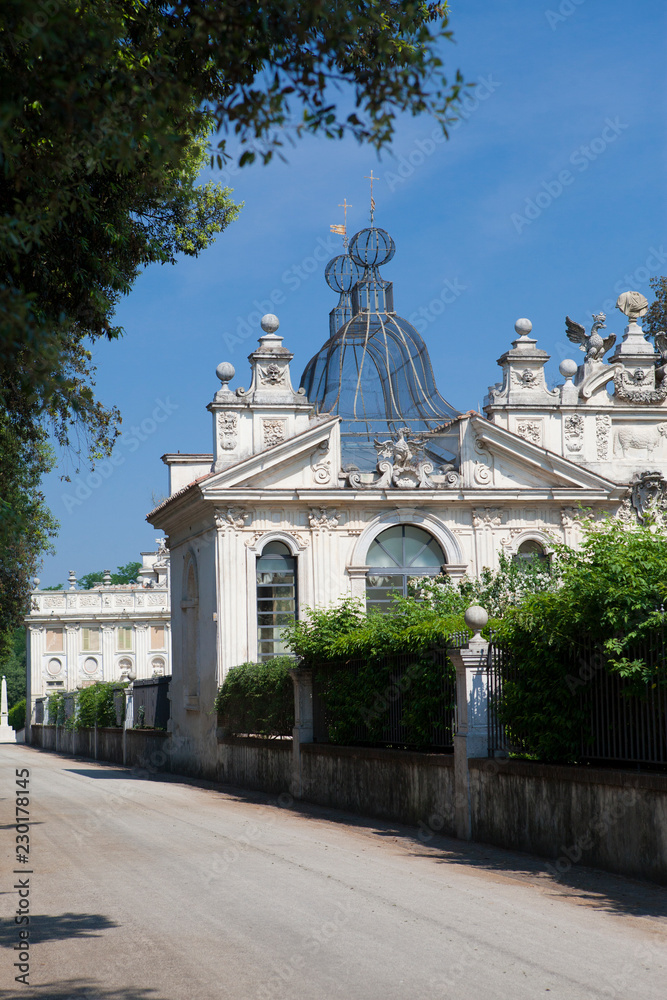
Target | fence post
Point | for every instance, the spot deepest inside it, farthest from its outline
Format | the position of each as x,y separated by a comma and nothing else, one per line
129,717
302,678
471,736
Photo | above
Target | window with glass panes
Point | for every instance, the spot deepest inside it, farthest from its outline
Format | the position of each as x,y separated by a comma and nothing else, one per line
276,598
90,640
397,555
123,637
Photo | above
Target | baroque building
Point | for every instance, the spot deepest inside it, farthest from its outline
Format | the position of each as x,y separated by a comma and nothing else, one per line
364,476
108,633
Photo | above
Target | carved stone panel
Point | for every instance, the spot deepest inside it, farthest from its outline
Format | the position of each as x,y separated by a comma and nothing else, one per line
530,430
274,432
639,440
602,428
574,432
323,517
227,430
488,516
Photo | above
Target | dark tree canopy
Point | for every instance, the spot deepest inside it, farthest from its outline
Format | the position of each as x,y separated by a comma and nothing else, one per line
106,114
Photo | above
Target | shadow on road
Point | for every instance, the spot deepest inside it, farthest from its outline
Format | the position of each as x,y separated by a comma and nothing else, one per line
88,989
107,772
45,927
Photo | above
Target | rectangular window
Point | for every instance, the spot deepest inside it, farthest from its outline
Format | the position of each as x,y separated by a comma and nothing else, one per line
90,640
157,637
124,638
54,640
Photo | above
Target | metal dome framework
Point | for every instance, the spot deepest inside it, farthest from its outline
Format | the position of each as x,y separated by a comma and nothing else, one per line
374,371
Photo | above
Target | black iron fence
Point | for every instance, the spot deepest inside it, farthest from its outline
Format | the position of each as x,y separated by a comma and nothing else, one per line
404,700
620,720
151,705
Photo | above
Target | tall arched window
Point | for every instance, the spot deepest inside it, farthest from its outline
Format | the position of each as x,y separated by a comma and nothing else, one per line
276,598
190,634
395,556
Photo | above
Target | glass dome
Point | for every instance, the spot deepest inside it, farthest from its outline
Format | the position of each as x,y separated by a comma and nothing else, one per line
374,370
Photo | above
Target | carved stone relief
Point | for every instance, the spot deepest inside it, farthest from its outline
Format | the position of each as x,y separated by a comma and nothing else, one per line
574,432
602,428
530,430
633,438
568,516
320,466
630,387
400,464
323,517
272,374
227,430
273,432
489,516
527,379
232,517
646,498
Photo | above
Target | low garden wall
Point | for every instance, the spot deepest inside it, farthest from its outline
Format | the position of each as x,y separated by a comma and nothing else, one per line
143,748
386,784
611,819
261,764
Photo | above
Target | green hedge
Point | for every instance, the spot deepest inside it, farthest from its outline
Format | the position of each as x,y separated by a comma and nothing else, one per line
17,715
258,698
97,704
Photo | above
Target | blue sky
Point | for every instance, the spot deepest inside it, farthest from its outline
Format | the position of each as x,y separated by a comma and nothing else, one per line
548,198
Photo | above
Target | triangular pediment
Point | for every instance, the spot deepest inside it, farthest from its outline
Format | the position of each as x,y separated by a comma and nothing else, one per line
499,458
309,459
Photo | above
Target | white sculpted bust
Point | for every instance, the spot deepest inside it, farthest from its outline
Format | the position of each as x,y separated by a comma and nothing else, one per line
633,304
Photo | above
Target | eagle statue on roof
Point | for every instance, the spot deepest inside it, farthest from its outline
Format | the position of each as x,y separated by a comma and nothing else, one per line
594,345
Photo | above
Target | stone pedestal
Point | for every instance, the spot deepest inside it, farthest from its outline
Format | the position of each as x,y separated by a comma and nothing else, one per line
471,736
303,722
7,734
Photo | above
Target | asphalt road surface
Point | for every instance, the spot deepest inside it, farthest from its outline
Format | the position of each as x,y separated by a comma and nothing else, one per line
163,889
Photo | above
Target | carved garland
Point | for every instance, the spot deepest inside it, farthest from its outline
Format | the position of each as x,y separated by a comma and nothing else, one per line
643,396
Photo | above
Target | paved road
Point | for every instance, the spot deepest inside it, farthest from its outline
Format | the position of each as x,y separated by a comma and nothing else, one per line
167,890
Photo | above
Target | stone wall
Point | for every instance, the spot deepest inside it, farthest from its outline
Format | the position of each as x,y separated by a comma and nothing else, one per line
387,784
615,820
265,765
131,747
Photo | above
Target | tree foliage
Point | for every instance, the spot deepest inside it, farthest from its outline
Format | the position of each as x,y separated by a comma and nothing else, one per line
608,604
13,663
258,698
106,109
123,575
656,317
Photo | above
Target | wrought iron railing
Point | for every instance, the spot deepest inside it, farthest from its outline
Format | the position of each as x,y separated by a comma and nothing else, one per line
623,719
385,716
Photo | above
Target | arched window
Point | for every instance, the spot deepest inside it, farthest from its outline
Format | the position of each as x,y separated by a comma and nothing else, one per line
395,556
532,551
276,598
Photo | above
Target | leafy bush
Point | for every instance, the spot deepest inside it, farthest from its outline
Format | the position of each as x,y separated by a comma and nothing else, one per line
258,698
354,654
97,704
17,715
606,604
56,709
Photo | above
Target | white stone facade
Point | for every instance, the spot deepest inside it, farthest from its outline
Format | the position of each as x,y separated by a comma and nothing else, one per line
275,476
108,633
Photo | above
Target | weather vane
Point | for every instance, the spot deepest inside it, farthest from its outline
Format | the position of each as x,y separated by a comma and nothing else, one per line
371,179
342,230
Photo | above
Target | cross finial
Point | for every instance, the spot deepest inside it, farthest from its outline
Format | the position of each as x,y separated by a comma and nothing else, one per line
342,230
371,179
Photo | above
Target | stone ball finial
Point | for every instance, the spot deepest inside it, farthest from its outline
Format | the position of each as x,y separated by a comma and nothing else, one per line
225,372
270,323
476,618
35,583
523,327
568,368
